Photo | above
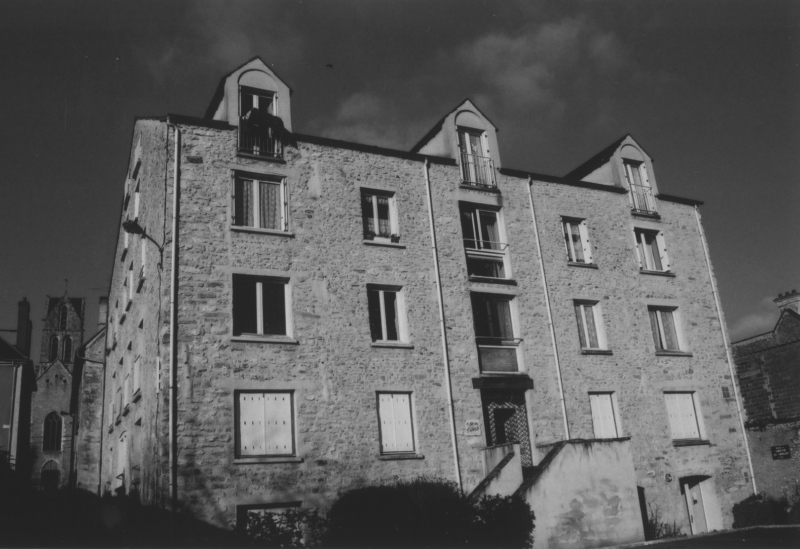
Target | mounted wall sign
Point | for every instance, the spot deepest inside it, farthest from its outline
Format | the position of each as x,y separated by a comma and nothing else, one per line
781,452
473,428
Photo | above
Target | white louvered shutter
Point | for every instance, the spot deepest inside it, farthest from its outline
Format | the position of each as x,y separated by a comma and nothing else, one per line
662,248
251,424
673,412
402,422
688,417
637,236
278,421
603,416
587,247
386,414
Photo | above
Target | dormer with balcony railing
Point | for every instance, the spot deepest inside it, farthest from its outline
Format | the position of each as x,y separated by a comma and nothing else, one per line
643,200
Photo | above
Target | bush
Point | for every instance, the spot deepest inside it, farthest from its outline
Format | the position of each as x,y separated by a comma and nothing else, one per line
291,528
426,513
758,510
655,528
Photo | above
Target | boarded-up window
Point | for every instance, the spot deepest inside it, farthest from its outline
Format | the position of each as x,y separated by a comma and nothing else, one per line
265,424
682,412
603,415
396,427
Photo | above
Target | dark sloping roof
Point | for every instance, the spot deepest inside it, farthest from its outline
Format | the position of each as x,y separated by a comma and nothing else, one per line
219,93
77,304
9,352
438,126
596,161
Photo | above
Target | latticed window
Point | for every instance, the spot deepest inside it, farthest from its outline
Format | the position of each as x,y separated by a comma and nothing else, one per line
51,441
62,318
53,353
507,421
260,203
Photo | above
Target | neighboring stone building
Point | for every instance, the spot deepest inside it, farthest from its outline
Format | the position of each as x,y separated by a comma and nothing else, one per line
295,316
768,368
51,422
17,382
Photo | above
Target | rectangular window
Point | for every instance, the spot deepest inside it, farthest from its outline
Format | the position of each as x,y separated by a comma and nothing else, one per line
604,416
143,244
379,216
494,333
386,313
477,167
683,415
260,202
486,253
125,242
126,391
576,240
662,322
265,424
642,198
136,203
590,325
137,374
260,306
651,250
396,425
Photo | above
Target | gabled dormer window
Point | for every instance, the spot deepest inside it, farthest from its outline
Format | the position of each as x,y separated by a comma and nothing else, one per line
477,167
642,199
260,128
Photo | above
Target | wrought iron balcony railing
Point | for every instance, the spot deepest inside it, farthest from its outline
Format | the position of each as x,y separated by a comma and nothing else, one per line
498,354
477,170
259,143
643,199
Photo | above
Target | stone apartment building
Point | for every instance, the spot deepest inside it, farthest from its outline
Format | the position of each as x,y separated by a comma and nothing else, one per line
293,316
768,371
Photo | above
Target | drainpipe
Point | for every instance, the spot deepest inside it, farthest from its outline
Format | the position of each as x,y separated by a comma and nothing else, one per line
549,310
443,327
173,325
725,342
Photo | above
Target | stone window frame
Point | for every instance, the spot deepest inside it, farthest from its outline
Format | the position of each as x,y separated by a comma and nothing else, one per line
294,456
599,326
646,264
612,396
289,335
261,177
702,433
660,340
567,222
413,453
401,320
372,213
496,251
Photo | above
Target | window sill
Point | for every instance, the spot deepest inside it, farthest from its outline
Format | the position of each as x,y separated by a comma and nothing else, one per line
690,442
393,344
584,265
657,273
266,339
648,215
275,159
492,280
137,396
476,187
384,244
245,229
399,457
265,459
673,353
596,352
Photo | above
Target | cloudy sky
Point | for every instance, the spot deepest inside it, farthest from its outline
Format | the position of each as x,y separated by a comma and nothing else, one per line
710,89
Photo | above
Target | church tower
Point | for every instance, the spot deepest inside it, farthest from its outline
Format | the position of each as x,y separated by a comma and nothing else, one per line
51,422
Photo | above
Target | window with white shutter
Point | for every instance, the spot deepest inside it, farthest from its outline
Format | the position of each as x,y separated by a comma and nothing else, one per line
591,331
265,424
604,417
651,251
396,425
683,415
664,328
576,240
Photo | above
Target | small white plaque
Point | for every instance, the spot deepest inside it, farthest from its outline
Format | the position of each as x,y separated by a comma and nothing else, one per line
473,428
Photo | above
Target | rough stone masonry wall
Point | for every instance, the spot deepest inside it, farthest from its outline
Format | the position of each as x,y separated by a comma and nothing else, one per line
143,331
633,372
779,477
334,370
769,374
88,443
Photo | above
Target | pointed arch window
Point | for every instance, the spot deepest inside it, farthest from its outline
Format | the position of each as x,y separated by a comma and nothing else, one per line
62,318
67,355
51,442
53,354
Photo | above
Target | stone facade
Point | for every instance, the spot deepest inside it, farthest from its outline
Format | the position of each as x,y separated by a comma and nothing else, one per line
768,368
331,364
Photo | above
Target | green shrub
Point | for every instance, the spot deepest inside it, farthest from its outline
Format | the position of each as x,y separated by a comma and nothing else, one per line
758,510
655,528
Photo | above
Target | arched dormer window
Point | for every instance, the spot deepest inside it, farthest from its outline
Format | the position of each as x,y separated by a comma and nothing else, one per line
67,354
62,318
53,354
51,441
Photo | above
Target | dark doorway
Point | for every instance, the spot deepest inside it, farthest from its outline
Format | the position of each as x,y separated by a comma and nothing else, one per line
506,419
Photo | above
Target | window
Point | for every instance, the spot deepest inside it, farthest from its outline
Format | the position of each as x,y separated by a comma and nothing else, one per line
604,415
126,391
590,325
127,293
125,242
379,216
53,354
259,126
386,318
662,322
265,425
576,240
477,167
51,476
51,441
494,333
62,318
682,411
143,245
396,426
483,235
651,251
260,202
136,202
67,354
642,199
260,306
